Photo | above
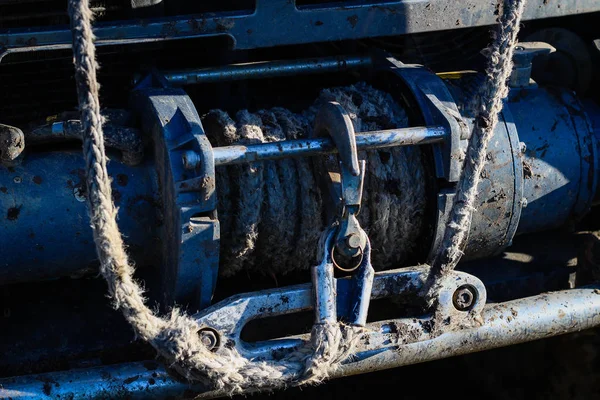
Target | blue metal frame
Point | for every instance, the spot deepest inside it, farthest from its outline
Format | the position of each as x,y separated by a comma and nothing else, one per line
280,22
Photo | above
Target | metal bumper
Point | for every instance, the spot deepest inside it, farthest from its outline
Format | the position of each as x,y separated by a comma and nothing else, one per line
500,325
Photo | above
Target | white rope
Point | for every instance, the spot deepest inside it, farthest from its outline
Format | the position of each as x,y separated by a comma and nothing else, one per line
176,338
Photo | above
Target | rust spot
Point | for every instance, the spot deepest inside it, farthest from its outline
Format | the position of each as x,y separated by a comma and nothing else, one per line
122,180
208,184
561,314
225,25
527,173
47,388
353,19
13,213
37,180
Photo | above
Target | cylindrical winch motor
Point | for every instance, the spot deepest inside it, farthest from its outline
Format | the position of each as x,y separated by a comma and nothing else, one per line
202,218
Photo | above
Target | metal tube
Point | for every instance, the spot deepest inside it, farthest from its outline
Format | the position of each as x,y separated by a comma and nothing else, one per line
266,69
504,324
229,155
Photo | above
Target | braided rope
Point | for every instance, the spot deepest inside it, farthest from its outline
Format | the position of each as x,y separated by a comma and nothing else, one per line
487,104
176,338
271,213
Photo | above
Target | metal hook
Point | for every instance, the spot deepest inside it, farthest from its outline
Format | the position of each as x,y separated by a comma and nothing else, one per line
334,121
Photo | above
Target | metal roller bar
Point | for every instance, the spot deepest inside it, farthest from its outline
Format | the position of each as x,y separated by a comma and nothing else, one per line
229,155
504,324
266,69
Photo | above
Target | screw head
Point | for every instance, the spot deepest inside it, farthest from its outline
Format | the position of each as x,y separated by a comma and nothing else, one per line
464,298
209,338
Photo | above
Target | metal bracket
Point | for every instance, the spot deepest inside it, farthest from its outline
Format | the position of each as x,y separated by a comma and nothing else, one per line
523,57
190,234
228,318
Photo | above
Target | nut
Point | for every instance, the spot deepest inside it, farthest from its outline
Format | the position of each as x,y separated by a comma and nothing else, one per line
464,298
209,338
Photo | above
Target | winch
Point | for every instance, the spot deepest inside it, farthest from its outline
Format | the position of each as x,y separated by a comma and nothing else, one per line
330,191
216,189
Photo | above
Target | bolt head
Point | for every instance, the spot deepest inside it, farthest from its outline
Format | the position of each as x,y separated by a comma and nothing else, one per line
464,298
190,159
522,147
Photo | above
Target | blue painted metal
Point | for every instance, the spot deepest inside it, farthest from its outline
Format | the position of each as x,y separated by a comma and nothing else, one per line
44,226
190,234
280,22
592,111
499,192
498,204
560,164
